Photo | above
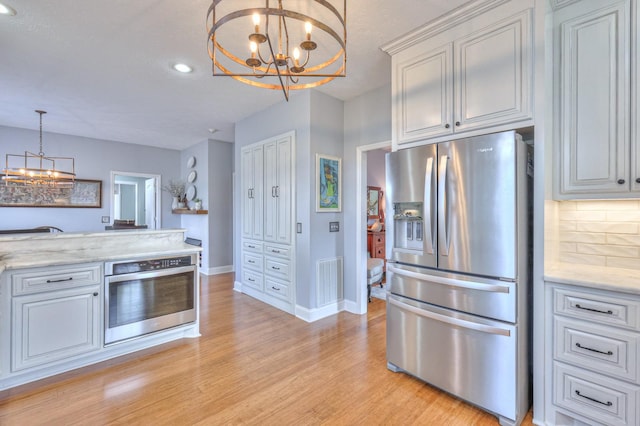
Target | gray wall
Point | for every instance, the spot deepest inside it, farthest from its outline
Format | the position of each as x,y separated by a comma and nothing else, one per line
376,169
214,183
94,160
367,120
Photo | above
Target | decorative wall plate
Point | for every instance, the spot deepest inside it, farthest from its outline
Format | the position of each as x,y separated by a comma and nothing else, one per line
191,192
191,161
192,176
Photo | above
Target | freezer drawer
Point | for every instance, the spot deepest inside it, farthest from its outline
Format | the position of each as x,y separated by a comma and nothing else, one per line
479,296
470,357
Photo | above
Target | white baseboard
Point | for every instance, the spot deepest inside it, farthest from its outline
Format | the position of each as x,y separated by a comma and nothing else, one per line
217,270
353,307
311,315
237,286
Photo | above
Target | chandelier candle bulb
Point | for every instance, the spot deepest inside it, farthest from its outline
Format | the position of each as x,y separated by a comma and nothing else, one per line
256,23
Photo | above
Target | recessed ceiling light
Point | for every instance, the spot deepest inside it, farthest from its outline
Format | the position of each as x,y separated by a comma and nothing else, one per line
182,68
7,10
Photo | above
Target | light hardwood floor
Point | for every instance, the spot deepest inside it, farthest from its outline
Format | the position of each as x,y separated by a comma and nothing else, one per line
253,365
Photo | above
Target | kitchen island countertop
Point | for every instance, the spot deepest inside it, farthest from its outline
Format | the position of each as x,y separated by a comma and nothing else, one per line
36,250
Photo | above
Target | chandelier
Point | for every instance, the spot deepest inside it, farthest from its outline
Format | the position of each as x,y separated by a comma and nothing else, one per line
39,169
317,27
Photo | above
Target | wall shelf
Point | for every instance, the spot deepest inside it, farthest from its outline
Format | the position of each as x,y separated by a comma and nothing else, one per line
189,211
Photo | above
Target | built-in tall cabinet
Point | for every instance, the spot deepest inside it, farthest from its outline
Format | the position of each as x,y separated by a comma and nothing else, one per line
596,99
470,71
267,221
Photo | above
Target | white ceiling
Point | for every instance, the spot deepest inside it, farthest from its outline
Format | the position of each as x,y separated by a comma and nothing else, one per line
102,69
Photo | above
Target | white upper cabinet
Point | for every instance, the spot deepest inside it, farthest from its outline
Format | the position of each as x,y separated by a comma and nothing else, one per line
424,87
465,74
277,184
252,195
592,77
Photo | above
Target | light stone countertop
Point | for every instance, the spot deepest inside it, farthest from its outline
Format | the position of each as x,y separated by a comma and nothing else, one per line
37,250
598,277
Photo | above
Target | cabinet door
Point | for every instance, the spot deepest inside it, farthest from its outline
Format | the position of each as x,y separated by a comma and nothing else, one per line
277,226
635,130
252,192
493,75
592,110
53,326
423,93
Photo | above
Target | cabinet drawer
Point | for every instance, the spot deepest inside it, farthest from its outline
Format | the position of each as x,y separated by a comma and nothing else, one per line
600,348
277,289
597,397
275,250
278,268
597,307
252,279
378,239
378,252
252,246
252,261
56,278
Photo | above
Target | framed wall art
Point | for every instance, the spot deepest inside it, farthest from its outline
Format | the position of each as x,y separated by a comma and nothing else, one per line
328,183
84,193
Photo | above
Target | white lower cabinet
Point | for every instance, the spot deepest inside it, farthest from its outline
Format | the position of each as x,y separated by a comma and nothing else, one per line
593,357
55,325
56,313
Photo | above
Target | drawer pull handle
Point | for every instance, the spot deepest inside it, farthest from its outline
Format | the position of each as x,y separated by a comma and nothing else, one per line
250,246
251,261
608,403
593,350
609,312
251,279
275,251
275,288
275,268
60,280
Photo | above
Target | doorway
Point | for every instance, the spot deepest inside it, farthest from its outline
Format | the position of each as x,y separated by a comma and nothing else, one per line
135,196
373,153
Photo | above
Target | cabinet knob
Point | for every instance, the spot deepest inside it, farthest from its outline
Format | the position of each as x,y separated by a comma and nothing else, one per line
637,180
457,123
446,126
95,294
621,181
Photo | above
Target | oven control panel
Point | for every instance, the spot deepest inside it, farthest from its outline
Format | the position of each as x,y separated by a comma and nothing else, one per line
150,264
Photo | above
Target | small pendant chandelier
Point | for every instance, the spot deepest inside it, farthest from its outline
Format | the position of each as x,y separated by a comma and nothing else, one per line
316,60
38,169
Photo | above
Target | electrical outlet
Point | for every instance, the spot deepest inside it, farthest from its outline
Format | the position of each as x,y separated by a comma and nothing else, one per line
334,226
105,219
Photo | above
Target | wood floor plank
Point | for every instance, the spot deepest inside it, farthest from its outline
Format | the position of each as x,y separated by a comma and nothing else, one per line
253,365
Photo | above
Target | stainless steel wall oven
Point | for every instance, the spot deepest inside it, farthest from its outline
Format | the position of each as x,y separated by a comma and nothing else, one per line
147,295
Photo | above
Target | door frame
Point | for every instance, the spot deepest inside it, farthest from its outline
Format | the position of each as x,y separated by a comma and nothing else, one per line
157,203
361,220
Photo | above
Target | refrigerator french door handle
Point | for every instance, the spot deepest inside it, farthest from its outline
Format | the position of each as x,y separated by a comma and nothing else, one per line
494,288
428,176
450,320
443,223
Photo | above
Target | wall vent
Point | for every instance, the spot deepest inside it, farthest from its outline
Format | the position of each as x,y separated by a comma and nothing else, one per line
329,281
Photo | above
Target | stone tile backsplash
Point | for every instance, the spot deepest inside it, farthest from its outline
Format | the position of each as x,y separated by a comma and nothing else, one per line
600,233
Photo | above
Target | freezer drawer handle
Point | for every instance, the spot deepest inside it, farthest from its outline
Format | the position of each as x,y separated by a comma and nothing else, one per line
609,312
453,321
593,350
608,403
450,281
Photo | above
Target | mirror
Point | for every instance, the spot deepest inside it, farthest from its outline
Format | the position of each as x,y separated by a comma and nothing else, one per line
135,197
374,194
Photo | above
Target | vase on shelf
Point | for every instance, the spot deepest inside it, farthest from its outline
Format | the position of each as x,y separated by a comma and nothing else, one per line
174,203
198,205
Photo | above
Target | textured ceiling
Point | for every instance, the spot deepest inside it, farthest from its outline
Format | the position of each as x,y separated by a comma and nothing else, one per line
102,69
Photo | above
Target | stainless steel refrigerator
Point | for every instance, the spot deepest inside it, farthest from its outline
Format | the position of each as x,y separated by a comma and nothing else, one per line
458,225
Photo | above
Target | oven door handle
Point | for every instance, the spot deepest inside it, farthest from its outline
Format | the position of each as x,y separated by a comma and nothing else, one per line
450,320
150,274
495,288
